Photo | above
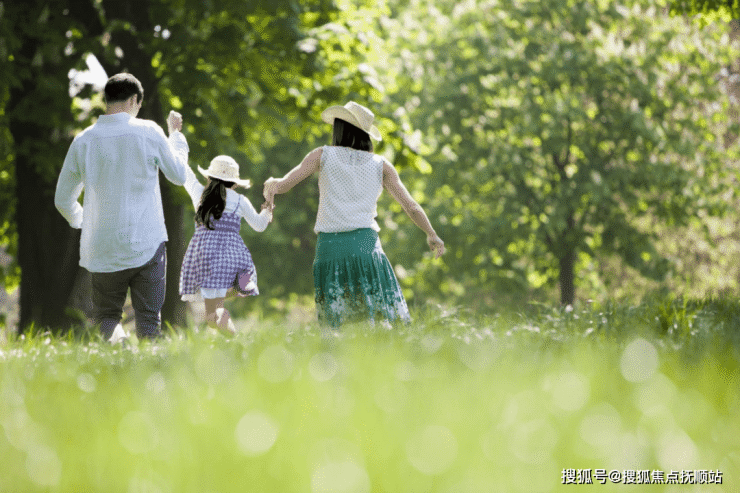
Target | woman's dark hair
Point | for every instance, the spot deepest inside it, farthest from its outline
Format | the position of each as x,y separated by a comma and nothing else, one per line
212,202
122,86
348,135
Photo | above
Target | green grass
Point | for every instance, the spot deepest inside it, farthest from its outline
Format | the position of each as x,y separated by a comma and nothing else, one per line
455,402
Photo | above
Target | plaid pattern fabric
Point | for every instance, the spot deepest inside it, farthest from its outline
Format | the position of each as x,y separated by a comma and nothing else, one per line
217,258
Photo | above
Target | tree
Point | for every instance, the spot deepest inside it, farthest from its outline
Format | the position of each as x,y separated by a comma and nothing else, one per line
561,130
730,7
38,118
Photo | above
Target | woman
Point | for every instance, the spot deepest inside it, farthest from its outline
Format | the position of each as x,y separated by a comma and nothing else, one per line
353,278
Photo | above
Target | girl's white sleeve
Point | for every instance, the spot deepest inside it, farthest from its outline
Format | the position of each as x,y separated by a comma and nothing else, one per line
258,222
193,186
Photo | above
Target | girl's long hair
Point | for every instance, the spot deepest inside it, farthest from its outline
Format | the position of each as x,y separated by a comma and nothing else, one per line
212,202
348,135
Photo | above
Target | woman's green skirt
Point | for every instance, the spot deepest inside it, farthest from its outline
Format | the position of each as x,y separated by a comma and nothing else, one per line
354,280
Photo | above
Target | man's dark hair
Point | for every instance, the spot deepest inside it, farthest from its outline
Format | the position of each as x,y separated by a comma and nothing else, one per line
348,135
122,86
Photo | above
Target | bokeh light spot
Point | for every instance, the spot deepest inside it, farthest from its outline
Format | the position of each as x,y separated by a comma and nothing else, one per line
155,383
340,477
323,367
639,361
256,433
570,390
602,429
86,382
43,466
676,451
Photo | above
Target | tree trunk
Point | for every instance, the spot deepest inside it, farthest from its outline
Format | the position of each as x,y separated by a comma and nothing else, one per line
567,277
568,263
48,249
174,308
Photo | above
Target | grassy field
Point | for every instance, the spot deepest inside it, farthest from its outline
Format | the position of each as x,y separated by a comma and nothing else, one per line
455,402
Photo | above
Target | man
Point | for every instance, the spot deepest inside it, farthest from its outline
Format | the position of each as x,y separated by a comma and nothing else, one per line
117,161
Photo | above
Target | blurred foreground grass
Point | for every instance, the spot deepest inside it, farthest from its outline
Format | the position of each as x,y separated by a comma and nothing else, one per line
455,402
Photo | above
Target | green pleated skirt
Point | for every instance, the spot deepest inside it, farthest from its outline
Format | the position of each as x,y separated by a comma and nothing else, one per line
354,280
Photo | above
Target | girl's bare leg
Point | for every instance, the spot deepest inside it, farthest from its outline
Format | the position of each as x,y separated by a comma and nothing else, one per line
219,317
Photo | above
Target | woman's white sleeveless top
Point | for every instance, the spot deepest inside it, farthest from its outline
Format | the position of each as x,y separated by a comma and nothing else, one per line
350,182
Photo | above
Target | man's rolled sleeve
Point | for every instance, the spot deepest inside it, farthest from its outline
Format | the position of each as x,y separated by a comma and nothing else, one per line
174,157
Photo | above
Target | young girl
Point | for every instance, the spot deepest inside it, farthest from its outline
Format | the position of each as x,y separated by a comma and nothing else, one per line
217,262
353,278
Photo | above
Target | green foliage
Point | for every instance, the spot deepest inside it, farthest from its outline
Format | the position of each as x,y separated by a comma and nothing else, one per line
562,129
37,52
454,401
8,231
709,9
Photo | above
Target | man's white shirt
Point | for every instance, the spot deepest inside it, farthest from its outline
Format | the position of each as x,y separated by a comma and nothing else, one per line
117,161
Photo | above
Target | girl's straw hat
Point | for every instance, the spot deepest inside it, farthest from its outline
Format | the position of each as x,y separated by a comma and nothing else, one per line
226,169
356,114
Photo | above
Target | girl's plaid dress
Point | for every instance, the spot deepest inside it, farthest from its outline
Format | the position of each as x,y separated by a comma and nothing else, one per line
218,259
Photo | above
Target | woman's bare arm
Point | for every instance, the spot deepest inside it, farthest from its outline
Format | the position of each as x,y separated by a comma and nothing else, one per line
392,183
308,166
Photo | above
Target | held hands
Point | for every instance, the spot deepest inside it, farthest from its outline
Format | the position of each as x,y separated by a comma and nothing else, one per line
269,194
269,207
174,122
269,189
436,245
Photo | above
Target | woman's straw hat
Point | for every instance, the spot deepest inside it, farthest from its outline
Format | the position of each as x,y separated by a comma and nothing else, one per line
356,114
226,169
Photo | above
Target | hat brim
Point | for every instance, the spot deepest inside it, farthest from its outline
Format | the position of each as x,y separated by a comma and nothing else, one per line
241,183
332,112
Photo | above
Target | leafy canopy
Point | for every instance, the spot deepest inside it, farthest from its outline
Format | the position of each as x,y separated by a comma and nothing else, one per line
561,128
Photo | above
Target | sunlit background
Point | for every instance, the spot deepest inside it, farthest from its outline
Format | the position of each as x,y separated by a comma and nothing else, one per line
579,159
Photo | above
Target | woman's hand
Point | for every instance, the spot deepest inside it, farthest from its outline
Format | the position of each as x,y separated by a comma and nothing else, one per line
436,245
269,189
